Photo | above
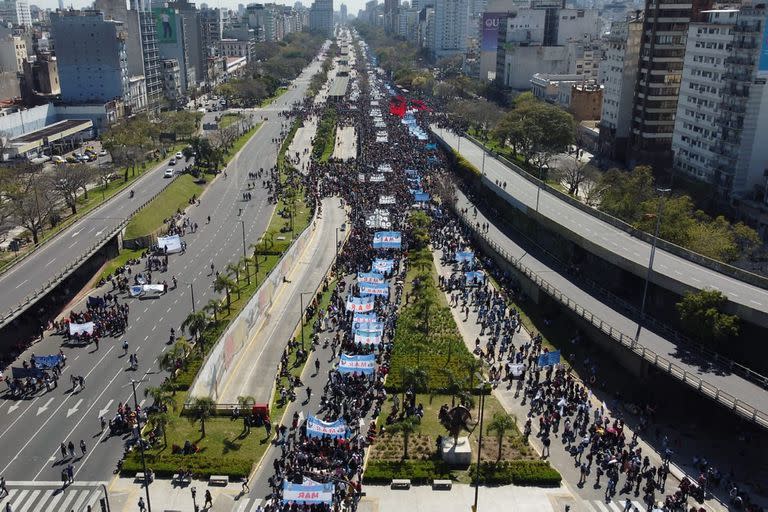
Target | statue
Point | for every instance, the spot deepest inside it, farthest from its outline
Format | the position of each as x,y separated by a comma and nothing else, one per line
454,420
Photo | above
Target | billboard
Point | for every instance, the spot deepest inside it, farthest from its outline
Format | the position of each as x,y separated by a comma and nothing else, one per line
762,66
165,25
490,31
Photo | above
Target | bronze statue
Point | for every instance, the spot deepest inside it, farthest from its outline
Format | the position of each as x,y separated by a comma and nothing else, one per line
454,420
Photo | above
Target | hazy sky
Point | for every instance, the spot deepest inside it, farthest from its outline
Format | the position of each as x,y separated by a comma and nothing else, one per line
352,5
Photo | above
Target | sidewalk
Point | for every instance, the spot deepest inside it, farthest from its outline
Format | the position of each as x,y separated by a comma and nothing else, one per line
346,143
302,144
254,374
560,459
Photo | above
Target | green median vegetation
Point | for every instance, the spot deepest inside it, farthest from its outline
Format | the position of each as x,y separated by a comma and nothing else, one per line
175,197
325,138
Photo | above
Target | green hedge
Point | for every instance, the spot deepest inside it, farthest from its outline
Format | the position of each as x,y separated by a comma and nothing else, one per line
168,464
518,472
419,472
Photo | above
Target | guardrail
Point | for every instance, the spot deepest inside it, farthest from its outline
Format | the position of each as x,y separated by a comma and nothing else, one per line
683,342
740,407
694,257
70,267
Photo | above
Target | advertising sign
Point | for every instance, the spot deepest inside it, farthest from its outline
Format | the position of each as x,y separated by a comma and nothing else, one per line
165,25
490,31
762,66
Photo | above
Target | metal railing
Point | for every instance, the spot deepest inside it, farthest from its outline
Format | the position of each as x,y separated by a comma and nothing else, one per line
740,407
71,266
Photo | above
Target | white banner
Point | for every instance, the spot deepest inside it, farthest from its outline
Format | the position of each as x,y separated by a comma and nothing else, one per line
376,178
387,200
81,328
172,244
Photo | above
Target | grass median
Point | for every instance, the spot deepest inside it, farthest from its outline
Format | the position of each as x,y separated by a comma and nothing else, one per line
175,197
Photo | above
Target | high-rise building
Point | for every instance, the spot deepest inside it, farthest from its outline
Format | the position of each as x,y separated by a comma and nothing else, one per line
197,67
172,41
91,56
451,28
172,81
16,12
662,50
722,112
321,17
391,10
343,12
13,52
619,71
211,27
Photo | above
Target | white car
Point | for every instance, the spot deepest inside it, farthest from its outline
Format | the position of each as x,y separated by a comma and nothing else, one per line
58,159
179,155
168,173
103,152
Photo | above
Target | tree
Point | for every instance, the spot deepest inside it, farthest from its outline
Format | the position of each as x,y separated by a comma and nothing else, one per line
622,193
574,173
245,404
195,324
500,424
201,409
233,270
701,314
454,386
69,183
161,397
226,285
161,420
213,307
406,427
414,378
29,200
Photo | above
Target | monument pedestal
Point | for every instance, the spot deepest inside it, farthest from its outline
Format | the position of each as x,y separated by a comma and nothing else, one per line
456,454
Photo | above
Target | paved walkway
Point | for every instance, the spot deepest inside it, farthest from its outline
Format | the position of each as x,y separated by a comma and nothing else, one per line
590,498
254,374
346,143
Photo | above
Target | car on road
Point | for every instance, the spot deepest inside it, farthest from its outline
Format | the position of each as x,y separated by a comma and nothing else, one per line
172,161
178,155
57,159
168,173
103,152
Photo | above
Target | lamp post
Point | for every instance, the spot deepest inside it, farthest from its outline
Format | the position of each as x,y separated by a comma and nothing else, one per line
193,490
141,446
337,241
301,302
479,444
659,212
483,169
245,257
192,291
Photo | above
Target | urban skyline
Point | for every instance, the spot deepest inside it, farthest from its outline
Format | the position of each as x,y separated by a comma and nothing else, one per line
352,5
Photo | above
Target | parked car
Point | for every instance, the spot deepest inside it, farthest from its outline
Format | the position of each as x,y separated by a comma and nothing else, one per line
168,173
103,152
58,159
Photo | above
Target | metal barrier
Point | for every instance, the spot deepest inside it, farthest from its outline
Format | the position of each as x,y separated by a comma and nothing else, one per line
21,306
738,406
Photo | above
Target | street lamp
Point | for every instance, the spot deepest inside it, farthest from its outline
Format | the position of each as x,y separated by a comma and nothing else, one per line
193,490
245,256
483,169
192,290
479,443
141,446
301,302
660,211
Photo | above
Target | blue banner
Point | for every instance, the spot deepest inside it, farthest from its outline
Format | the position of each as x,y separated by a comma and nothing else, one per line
385,266
431,146
374,289
387,240
319,428
462,256
549,358
365,318
370,277
308,491
474,277
357,364
411,173
360,304
368,337
23,373
47,361
421,198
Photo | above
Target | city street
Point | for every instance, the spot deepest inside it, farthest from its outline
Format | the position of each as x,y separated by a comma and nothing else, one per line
34,428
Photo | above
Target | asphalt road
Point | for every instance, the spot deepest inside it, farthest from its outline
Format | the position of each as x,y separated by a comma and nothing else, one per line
32,430
686,273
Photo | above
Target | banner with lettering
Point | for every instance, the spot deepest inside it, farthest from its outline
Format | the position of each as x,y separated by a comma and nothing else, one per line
379,289
359,304
387,200
48,361
365,318
370,277
384,266
307,492
385,168
368,337
377,178
368,326
387,240
171,244
421,197
87,327
319,428
357,364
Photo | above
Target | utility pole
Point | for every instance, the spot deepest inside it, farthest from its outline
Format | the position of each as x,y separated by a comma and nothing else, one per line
141,446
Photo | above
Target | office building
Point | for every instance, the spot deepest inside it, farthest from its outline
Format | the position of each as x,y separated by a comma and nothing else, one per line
619,72
662,50
343,13
197,66
321,17
211,28
91,55
172,42
171,73
16,12
722,113
451,28
13,51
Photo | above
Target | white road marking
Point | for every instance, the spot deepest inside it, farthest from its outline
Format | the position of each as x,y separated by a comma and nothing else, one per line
44,407
73,410
21,283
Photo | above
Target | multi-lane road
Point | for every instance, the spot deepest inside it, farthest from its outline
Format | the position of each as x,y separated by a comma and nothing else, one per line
32,429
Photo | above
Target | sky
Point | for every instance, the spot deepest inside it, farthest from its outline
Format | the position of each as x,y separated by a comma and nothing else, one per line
352,5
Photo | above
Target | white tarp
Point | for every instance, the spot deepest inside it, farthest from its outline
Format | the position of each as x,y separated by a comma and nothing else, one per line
172,244
144,289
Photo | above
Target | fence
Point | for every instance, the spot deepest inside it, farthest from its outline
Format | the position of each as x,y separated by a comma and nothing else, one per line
738,406
31,298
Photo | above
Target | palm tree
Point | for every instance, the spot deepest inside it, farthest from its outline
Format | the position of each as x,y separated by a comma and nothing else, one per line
167,361
181,350
195,324
255,248
160,397
233,269
422,259
500,424
427,300
202,409
414,378
406,426
213,307
453,386
245,403
226,285
244,263
161,421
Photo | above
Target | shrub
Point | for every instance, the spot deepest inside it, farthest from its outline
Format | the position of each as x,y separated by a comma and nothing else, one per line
518,472
168,464
420,472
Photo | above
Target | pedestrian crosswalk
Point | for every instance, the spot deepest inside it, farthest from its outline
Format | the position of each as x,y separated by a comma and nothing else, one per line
246,504
50,497
613,506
